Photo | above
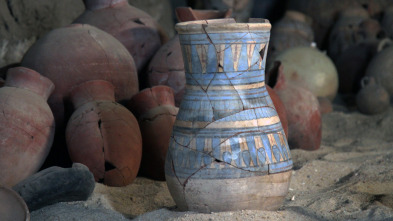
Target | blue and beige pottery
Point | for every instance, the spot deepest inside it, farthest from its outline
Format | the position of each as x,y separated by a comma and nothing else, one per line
228,150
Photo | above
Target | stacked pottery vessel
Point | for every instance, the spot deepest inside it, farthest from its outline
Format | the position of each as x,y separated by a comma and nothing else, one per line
228,150
27,124
103,134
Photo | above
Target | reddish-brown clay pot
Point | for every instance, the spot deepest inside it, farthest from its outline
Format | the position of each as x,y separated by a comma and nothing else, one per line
156,112
372,98
27,124
304,118
280,108
134,28
103,134
167,67
78,53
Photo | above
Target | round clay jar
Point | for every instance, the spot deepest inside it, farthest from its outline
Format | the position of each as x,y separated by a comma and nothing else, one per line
78,53
27,124
103,134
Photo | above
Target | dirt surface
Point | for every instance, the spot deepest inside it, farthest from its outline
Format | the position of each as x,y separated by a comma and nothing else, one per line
349,177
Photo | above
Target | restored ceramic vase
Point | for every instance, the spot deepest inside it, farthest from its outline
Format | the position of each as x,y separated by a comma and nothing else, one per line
134,28
228,150
103,135
27,124
156,113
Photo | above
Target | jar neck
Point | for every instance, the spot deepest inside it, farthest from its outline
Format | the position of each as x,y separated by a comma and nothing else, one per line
25,78
96,90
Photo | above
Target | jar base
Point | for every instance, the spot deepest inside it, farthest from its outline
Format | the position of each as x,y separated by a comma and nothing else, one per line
217,195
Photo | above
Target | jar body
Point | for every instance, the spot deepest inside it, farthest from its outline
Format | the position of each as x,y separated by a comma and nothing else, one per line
228,150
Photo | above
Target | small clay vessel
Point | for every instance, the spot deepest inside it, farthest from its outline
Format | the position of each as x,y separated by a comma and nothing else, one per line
311,69
27,125
134,28
372,98
12,206
381,69
352,63
304,117
103,134
156,112
167,67
78,53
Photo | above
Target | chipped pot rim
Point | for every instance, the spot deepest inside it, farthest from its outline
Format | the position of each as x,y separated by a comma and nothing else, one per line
222,26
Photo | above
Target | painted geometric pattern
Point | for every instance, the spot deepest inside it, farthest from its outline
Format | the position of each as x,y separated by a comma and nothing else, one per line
227,120
254,152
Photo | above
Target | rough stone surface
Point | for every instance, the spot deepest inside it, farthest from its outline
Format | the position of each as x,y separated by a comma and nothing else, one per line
23,21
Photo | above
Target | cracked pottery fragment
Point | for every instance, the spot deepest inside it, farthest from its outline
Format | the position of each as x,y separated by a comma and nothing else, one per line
303,112
156,113
78,53
27,124
103,134
167,67
228,150
134,28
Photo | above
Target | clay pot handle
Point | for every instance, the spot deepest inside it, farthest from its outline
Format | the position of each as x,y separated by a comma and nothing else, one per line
383,44
366,81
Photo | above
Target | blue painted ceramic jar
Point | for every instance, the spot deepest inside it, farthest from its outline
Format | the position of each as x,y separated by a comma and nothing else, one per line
228,150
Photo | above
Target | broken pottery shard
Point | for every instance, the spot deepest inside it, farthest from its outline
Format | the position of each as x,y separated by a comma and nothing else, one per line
228,150
55,185
103,134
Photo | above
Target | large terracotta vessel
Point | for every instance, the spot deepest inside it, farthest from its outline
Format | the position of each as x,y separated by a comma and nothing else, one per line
78,53
134,28
103,134
228,150
27,124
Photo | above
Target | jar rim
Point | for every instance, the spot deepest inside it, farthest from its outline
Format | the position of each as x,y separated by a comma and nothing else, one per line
222,26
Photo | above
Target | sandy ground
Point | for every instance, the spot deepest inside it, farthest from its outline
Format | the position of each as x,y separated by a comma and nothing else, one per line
349,177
